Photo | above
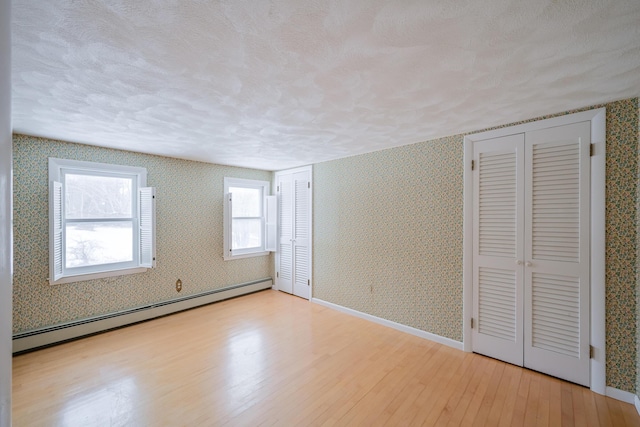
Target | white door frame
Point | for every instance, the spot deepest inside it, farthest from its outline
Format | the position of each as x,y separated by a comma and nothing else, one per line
597,118
309,169
6,214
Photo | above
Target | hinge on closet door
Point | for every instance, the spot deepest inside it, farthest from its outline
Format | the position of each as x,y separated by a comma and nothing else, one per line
308,282
308,185
472,323
592,150
591,352
278,188
277,274
473,164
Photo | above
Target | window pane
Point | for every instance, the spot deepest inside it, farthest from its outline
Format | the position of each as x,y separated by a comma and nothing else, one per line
94,243
246,202
89,196
247,233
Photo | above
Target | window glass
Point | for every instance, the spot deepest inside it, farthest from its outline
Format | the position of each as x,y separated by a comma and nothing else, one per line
246,233
91,196
94,243
247,202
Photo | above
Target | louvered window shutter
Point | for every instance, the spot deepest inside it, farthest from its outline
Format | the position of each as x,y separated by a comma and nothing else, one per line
271,223
56,258
147,235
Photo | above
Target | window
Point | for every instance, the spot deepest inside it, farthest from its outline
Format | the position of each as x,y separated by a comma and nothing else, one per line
249,218
101,221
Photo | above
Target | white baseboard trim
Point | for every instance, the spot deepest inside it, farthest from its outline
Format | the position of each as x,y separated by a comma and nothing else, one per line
621,395
398,326
41,337
637,404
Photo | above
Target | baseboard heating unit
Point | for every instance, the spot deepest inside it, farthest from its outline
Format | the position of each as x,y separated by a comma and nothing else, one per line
30,340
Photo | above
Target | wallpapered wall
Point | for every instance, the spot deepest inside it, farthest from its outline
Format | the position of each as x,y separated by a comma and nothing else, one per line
189,236
638,266
388,236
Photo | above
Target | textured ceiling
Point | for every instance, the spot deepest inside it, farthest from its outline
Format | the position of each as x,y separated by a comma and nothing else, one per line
282,83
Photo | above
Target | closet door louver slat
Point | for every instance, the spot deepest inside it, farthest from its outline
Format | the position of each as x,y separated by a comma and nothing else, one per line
497,307
556,203
497,200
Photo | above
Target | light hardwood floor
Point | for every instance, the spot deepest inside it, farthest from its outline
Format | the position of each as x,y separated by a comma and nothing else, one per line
273,359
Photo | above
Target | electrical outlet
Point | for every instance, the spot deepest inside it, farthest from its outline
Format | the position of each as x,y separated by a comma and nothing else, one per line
178,285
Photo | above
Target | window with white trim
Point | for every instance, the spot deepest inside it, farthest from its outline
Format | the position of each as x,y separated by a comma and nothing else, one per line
249,218
101,220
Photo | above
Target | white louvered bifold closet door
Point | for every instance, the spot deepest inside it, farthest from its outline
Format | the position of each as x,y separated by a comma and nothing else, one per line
293,260
498,248
284,256
556,273
301,231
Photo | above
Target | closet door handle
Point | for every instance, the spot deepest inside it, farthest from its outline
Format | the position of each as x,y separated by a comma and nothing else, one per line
528,264
518,262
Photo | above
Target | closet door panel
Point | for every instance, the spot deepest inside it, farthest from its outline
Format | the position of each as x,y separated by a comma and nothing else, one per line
557,252
498,248
301,233
284,256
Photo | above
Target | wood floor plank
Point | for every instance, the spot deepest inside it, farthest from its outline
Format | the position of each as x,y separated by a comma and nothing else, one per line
275,360
542,418
533,400
591,412
520,407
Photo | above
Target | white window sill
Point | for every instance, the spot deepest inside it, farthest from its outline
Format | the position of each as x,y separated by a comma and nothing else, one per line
249,255
98,275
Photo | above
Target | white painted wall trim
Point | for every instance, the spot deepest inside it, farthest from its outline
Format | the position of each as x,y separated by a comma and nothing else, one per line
636,402
46,336
621,395
6,214
398,326
598,164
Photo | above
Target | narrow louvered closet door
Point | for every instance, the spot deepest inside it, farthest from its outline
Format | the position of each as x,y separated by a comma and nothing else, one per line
498,248
301,231
556,323
293,260
284,256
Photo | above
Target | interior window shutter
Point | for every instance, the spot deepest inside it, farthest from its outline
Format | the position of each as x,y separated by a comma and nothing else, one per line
55,232
228,224
271,223
147,235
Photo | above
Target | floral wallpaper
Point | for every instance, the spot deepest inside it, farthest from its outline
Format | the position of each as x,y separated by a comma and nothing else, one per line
388,236
638,263
189,236
621,243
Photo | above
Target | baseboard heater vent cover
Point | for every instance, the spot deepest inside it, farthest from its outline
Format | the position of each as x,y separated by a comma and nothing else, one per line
31,340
